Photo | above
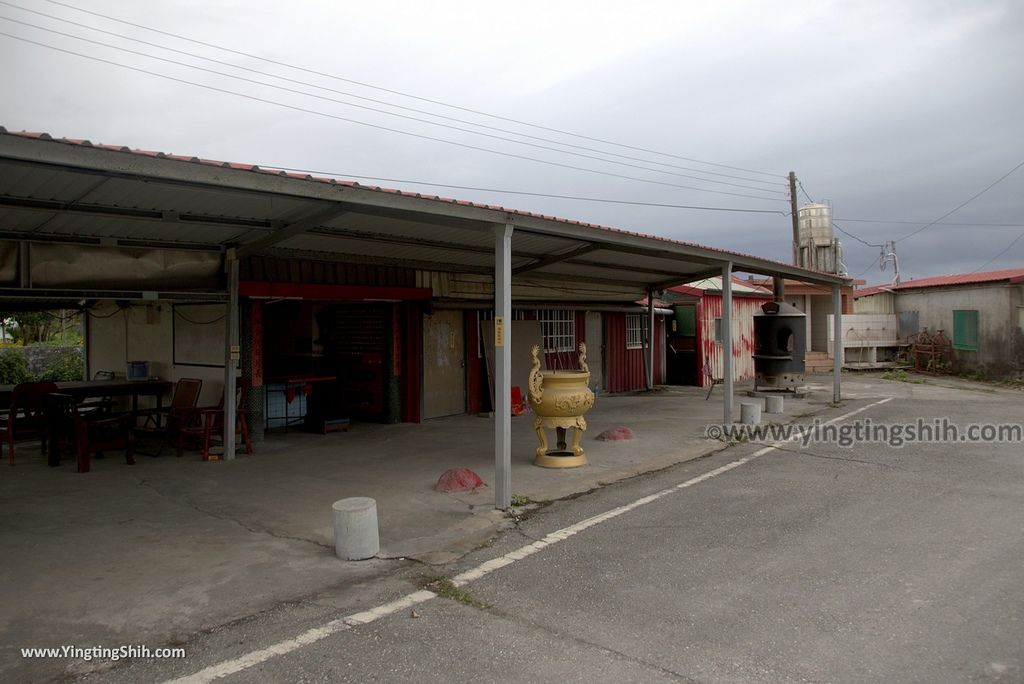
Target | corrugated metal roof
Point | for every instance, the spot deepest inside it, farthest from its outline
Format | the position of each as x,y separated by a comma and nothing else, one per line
102,183
714,284
1012,275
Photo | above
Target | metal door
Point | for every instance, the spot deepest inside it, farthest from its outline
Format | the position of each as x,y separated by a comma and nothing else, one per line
444,366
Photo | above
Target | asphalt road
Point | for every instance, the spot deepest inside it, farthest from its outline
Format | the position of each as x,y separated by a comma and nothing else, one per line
821,564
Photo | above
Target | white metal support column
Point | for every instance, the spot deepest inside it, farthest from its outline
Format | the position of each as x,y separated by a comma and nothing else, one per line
807,321
727,342
502,367
838,351
650,340
231,354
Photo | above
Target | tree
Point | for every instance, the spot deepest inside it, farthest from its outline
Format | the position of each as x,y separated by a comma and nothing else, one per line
29,326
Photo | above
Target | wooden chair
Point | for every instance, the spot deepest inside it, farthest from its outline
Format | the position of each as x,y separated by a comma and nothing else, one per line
84,435
26,416
710,378
206,425
102,404
169,419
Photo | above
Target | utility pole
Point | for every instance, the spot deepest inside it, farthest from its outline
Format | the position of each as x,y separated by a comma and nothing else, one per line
796,218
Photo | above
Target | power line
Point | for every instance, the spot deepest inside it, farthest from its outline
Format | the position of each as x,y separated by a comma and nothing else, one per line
307,110
873,264
336,174
964,203
860,240
381,111
1001,253
800,185
951,224
409,95
354,95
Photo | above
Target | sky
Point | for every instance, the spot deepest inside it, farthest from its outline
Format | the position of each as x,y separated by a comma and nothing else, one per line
895,113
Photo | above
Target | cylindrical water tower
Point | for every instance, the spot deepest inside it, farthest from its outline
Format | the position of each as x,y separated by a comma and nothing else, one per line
818,248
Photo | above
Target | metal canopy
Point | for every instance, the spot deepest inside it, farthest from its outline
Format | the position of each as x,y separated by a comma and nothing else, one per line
75,192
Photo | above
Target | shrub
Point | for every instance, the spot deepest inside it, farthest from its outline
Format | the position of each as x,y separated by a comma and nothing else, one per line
13,367
67,365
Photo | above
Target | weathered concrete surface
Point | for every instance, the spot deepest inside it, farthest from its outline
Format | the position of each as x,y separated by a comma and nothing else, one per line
833,564
160,551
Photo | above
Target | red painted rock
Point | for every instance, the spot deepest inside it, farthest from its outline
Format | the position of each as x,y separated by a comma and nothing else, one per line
619,434
459,480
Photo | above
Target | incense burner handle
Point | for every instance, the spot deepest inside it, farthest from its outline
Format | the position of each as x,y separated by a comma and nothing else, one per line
536,380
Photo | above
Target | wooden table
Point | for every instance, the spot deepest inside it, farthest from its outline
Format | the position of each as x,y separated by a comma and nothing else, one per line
89,389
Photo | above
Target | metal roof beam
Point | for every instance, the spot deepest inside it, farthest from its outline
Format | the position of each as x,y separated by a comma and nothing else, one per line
147,215
71,294
415,264
640,285
622,267
405,241
408,241
291,230
55,239
415,217
682,280
623,241
556,258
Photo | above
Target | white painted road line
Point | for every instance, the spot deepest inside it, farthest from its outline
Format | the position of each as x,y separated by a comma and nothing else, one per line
310,636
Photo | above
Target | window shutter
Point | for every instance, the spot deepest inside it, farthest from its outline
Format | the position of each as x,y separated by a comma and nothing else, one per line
965,329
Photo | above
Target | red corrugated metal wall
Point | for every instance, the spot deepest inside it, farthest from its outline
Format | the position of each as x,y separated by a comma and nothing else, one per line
743,309
625,367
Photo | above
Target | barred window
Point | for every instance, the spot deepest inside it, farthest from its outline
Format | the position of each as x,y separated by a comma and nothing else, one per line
488,315
634,331
559,330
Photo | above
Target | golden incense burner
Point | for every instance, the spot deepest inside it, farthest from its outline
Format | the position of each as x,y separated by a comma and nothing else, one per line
559,399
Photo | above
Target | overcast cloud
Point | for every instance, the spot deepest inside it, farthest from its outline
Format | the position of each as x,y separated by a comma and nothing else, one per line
890,110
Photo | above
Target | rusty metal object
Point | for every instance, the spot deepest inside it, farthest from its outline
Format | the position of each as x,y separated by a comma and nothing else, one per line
931,352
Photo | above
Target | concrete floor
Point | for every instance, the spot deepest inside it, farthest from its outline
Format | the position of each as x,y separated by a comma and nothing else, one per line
154,553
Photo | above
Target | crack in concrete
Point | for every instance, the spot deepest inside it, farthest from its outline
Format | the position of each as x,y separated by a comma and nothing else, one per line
807,452
227,518
620,655
470,505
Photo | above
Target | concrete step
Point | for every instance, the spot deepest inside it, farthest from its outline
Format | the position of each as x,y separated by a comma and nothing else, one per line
817,362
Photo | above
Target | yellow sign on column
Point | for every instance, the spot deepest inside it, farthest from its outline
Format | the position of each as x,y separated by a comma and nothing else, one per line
499,331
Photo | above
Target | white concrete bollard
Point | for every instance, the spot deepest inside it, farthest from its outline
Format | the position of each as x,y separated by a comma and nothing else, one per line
355,528
773,404
750,413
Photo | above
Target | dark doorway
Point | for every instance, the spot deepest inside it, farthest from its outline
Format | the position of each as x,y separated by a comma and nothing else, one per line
681,346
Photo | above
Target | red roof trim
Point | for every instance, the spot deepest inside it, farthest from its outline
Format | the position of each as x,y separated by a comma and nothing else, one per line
1013,276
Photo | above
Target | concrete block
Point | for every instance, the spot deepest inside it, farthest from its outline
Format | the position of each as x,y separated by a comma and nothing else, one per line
750,413
773,404
355,528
